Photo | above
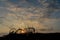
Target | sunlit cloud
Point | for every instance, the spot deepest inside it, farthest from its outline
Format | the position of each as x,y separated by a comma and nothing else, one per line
41,14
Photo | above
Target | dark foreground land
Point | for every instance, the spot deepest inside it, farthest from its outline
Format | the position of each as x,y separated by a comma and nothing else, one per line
31,36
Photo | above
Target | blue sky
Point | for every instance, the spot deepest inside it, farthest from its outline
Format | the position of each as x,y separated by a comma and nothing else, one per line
39,13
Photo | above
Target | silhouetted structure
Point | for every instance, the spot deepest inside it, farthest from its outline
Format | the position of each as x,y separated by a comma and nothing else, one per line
24,30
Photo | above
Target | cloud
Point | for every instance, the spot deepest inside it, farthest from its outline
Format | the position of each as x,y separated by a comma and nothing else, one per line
41,14
25,16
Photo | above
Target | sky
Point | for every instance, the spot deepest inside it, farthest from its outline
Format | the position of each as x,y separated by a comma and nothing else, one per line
43,15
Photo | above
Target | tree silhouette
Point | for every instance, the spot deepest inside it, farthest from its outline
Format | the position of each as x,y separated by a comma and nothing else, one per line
12,29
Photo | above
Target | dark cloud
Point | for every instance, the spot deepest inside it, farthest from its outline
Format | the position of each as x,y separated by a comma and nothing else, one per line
40,3
52,5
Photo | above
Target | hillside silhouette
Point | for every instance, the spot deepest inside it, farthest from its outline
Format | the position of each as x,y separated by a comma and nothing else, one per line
30,36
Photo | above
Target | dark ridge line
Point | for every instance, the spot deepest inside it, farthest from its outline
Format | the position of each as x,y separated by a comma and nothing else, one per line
30,36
